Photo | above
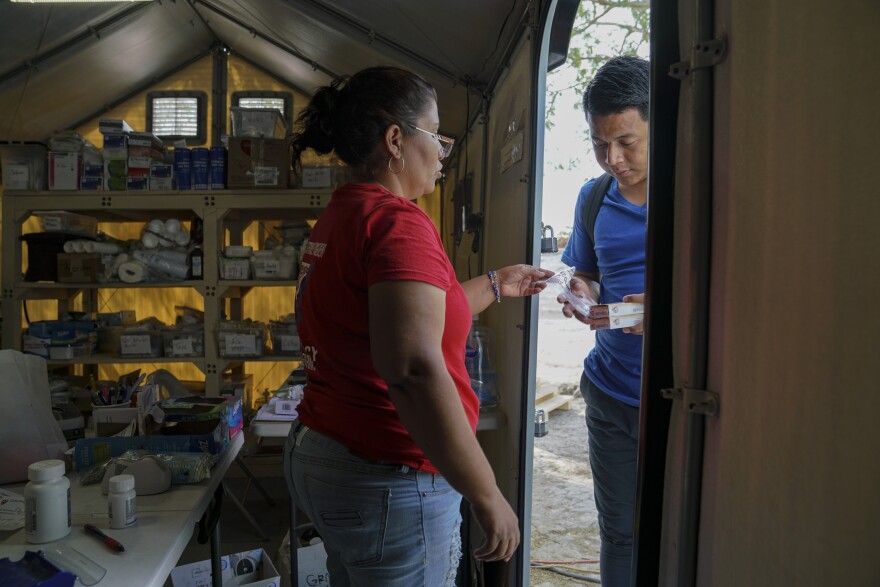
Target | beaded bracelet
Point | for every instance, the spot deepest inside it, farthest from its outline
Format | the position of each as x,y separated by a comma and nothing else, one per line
493,277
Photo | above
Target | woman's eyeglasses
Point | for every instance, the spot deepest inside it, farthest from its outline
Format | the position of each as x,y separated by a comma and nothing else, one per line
446,143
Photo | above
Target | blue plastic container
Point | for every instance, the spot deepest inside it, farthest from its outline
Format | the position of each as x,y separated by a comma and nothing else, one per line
200,162
183,168
218,168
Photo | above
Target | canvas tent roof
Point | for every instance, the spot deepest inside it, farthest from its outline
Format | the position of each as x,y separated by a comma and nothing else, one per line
63,63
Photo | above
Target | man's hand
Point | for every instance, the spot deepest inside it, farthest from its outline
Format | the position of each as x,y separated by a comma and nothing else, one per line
577,301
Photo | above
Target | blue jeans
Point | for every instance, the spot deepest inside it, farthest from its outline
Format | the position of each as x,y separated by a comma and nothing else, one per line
382,523
613,433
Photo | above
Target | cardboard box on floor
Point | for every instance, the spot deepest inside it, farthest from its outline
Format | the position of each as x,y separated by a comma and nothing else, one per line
253,568
258,163
312,563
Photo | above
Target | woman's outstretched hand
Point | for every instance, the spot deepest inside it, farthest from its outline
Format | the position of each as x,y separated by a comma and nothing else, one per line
521,280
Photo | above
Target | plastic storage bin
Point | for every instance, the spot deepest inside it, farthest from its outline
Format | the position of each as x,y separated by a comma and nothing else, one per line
235,263
241,339
257,122
184,342
140,343
285,339
68,223
24,166
267,265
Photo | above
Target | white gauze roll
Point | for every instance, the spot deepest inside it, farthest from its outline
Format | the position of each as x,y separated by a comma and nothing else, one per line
103,248
79,246
68,247
156,226
181,238
150,240
172,226
131,272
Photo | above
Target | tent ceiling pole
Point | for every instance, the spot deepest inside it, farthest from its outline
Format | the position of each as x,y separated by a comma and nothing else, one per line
140,89
269,39
219,88
89,33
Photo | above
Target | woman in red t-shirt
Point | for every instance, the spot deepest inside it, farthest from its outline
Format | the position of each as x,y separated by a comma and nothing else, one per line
384,446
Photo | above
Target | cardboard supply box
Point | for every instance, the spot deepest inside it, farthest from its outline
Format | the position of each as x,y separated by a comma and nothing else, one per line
64,170
311,564
258,163
257,122
252,568
80,267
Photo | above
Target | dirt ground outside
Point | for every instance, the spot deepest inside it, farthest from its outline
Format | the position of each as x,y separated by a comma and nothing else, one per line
564,526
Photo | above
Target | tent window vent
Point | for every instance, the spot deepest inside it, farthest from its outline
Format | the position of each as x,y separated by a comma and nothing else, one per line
177,116
283,101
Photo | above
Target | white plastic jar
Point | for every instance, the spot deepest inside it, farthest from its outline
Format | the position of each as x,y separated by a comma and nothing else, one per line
121,501
46,502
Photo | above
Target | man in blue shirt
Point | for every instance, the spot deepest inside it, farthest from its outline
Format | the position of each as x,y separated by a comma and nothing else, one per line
613,270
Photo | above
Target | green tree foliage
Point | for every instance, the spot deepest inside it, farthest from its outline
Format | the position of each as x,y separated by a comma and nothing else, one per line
602,29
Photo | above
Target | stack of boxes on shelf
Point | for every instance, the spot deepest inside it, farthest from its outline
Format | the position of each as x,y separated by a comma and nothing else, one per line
129,158
258,156
259,153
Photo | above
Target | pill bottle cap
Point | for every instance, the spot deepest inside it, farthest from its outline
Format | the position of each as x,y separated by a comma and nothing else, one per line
121,483
46,470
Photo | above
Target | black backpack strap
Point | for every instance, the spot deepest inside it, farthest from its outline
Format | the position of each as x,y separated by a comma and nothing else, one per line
594,202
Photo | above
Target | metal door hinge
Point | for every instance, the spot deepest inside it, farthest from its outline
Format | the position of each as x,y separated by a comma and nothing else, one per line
704,54
698,401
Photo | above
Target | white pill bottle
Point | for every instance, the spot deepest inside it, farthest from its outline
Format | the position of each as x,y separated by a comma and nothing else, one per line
46,502
121,502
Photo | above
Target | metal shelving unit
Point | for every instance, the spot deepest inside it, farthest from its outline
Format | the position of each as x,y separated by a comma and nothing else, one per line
226,214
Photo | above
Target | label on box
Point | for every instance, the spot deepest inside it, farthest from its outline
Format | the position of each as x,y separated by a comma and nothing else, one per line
115,141
161,170
91,170
618,309
16,177
269,267
51,223
91,183
316,177
615,322
63,171
235,270
182,346
288,342
241,344
137,183
266,176
134,344
161,183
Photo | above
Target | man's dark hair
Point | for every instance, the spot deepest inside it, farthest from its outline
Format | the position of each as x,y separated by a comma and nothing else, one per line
620,84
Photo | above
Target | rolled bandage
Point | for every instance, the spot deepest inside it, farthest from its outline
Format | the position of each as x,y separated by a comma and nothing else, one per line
181,238
103,248
172,226
68,247
149,240
132,272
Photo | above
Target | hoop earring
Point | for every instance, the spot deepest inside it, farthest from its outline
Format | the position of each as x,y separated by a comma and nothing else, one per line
402,165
